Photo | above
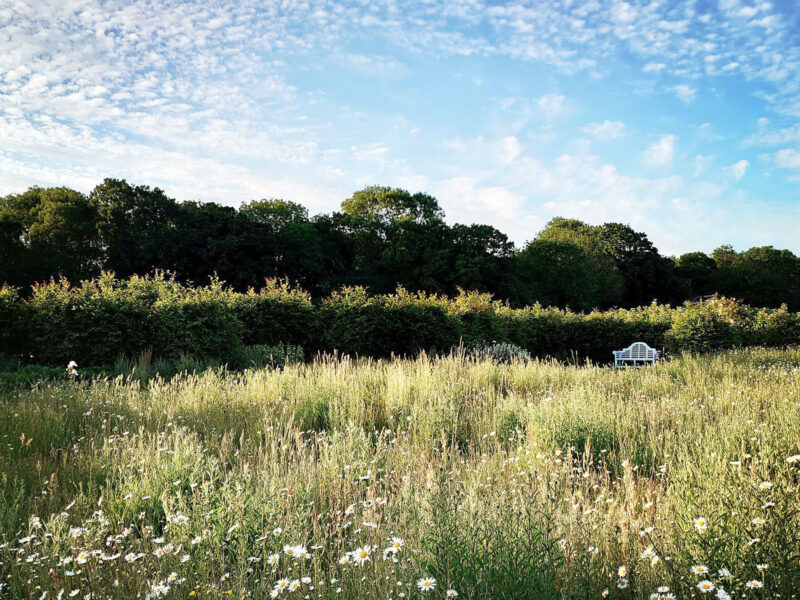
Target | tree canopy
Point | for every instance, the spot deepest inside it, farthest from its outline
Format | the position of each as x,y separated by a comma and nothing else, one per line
381,238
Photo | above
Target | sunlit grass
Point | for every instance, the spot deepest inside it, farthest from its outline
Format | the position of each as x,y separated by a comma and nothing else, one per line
529,480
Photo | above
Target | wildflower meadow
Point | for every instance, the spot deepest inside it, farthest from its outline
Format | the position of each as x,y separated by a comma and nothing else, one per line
435,477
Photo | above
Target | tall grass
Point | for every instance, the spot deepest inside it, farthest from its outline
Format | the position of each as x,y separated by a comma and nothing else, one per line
521,480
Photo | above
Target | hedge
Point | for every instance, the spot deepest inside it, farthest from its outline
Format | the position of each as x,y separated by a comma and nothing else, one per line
98,321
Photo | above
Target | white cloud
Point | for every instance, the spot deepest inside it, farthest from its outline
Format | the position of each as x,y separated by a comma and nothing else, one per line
788,158
607,130
738,169
685,93
661,152
551,105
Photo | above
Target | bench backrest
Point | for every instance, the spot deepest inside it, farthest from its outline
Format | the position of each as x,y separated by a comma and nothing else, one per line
638,351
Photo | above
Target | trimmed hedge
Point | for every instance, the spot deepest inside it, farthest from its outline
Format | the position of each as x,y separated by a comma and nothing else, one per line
102,319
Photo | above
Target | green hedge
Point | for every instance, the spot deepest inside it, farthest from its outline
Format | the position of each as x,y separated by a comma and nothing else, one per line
100,320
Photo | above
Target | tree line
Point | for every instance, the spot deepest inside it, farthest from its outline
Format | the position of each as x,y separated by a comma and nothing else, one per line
380,238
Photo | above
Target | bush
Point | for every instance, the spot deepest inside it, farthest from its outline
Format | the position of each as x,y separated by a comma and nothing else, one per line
98,321
501,352
704,327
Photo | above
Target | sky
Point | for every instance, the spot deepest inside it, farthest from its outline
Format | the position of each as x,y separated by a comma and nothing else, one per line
681,119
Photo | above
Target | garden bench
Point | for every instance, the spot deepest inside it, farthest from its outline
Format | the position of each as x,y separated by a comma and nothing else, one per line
635,356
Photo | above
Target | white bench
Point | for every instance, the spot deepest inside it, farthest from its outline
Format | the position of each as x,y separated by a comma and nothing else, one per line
635,355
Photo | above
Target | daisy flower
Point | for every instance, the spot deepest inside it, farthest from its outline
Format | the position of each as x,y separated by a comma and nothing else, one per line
426,584
361,555
701,524
705,586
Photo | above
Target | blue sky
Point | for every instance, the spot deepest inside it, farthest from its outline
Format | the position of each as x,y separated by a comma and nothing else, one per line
679,118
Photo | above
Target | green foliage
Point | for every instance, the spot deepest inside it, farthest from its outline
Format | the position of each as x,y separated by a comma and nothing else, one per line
102,319
701,328
382,238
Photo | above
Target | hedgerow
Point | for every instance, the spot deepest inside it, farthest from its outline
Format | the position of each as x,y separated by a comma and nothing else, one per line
103,319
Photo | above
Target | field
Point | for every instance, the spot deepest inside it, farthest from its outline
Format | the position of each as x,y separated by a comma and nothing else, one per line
407,479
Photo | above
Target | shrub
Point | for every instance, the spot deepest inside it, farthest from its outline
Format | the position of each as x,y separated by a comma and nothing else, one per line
500,352
102,319
703,327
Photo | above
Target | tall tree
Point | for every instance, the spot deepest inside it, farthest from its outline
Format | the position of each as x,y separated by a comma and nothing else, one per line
135,226
53,232
294,243
698,269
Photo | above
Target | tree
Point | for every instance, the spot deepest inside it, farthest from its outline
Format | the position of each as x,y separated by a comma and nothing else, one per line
698,269
390,205
295,246
53,232
135,226
557,274
608,282
482,257
762,276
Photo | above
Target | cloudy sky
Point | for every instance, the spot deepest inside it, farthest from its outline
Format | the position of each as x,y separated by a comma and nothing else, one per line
681,118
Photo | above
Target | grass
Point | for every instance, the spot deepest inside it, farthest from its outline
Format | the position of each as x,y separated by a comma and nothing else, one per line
523,480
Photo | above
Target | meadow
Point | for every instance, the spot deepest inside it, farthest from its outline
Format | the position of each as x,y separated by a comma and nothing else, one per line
408,478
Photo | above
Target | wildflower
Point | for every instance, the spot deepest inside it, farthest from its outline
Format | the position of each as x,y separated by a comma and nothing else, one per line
605,593
172,577
705,586
82,557
159,589
196,540
663,589
344,560
793,459
396,543
764,486
281,584
622,583
655,596
273,559
290,550
294,585
669,596
649,553
361,555
759,521
426,584
277,531
701,524
159,552
302,552
725,573
754,584
130,557
762,567
622,571
180,519
451,594
723,595
699,569
305,580
593,550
